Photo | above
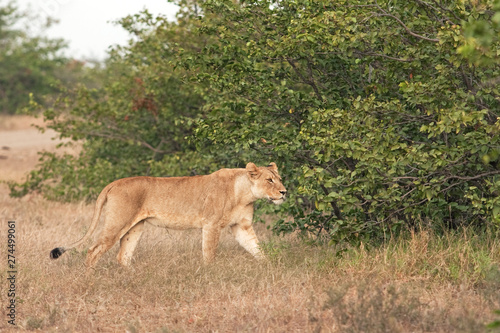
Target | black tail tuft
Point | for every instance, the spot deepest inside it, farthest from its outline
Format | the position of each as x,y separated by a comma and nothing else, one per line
57,252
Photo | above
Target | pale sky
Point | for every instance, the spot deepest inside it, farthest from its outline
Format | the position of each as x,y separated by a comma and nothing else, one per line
87,24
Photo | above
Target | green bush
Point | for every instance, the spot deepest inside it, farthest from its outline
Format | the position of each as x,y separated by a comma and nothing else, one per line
375,119
30,63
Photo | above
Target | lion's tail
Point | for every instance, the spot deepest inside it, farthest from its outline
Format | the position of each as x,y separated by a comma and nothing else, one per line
101,200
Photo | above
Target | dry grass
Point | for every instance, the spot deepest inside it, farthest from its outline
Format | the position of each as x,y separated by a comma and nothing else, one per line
421,283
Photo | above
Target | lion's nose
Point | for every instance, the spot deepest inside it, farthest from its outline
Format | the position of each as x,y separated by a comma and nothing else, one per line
283,192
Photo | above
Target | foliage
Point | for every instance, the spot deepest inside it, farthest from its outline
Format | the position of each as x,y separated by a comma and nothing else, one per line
482,36
136,123
28,64
380,114
375,118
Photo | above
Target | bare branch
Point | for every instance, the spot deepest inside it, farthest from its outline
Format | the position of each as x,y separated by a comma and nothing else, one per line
495,172
435,40
408,30
373,54
125,139
431,10
445,9
309,81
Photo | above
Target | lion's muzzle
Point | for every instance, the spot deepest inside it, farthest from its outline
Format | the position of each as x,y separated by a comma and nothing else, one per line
280,200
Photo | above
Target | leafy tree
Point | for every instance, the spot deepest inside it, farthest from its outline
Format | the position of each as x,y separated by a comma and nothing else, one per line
27,64
375,119
136,123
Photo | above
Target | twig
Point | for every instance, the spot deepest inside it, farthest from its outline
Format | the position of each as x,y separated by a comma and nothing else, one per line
304,79
408,30
125,139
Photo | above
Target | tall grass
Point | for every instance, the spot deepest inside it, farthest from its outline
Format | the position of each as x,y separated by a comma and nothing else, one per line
415,283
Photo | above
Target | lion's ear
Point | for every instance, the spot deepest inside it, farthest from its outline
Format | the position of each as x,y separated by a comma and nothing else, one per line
253,171
273,166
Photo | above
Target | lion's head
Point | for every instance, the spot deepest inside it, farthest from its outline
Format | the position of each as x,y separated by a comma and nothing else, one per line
266,182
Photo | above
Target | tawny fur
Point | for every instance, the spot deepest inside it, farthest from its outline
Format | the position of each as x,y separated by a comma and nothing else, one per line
212,202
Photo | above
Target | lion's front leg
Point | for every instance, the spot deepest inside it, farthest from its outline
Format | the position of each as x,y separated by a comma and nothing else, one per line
245,236
211,234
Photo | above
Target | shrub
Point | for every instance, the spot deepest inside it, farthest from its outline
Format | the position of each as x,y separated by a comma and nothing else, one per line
375,119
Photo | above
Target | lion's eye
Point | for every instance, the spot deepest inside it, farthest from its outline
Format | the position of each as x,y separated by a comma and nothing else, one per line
270,180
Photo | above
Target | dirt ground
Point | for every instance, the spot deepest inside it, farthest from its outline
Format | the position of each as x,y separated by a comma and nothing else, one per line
20,143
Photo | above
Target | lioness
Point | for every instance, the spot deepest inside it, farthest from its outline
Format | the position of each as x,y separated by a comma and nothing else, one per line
211,202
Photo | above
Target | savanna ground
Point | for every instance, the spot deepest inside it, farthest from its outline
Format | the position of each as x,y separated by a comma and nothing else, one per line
418,283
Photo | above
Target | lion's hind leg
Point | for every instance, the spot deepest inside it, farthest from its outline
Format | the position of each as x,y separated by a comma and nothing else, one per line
106,240
95,252
128,243
117,222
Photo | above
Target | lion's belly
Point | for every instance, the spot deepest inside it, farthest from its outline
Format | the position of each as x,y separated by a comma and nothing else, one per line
176,222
